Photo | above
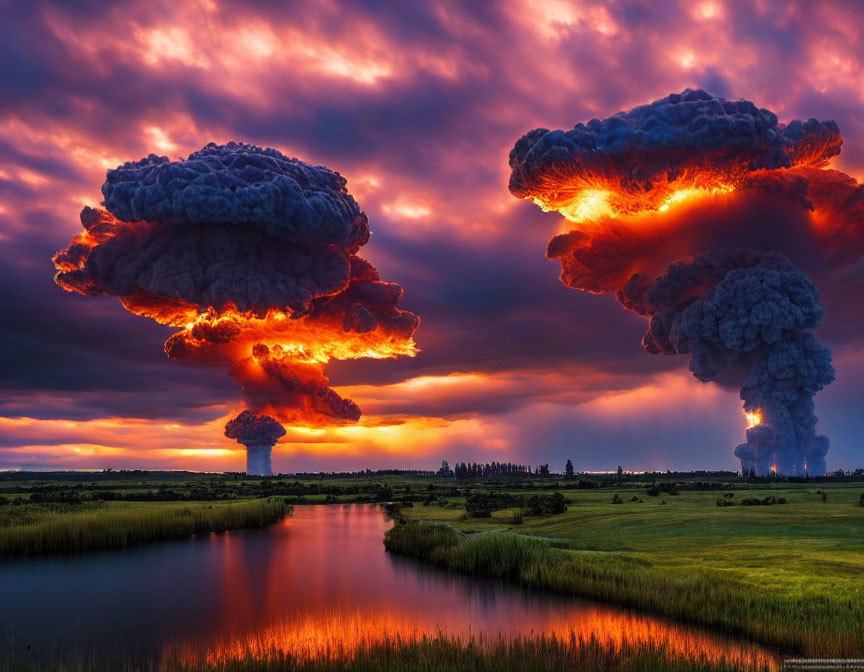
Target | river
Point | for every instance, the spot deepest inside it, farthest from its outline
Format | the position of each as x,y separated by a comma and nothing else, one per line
317,581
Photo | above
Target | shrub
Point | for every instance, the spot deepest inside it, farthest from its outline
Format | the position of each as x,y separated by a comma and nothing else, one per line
482,504
553,504
765,501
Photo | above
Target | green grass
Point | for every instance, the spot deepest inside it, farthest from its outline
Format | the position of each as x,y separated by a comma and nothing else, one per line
51,529
787,575
434,654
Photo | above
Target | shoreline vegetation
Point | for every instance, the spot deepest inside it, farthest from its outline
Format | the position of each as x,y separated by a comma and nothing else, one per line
54,528
705,598
436,653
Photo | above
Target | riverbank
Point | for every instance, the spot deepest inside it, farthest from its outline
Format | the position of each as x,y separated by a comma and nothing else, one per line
826,627
55,528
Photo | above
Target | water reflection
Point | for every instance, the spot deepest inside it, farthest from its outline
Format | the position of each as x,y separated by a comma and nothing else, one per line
318,583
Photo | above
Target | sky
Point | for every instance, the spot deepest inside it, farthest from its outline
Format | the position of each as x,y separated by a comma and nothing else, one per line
417,105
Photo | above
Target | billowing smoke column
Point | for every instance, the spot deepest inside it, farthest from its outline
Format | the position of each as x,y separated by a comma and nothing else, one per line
692,211
253,256
259,434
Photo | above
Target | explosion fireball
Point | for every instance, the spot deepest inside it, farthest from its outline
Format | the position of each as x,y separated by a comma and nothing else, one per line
692,210
253,257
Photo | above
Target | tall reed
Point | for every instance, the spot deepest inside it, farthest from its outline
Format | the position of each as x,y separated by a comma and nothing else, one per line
116,527
437,653
827,627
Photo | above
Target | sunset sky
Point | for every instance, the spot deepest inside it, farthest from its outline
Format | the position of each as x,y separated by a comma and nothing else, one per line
417,104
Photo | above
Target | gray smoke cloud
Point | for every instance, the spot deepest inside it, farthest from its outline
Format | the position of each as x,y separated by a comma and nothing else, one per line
243,186
254,255
742,316
231,225
674,137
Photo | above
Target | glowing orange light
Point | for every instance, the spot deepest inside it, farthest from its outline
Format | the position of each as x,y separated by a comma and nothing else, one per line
588,205
597,188
753,418
303,339
595,197
340,636
694,193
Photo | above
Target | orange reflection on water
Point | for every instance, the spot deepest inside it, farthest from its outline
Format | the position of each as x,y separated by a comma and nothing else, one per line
335,635
320,586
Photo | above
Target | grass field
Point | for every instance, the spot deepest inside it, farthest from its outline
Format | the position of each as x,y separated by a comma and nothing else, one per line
59,528
790,575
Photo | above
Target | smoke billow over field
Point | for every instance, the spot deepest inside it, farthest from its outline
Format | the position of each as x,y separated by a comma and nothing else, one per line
253,257
707,216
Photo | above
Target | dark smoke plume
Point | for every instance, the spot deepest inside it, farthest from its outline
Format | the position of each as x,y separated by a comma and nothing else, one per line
691,136
747,324
253,255
690,209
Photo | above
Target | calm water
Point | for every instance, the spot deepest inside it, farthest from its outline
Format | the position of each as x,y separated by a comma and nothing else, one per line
318,581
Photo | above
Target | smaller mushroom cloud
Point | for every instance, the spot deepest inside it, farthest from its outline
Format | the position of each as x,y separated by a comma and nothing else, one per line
259,434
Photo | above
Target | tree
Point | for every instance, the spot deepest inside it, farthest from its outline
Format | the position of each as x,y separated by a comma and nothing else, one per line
568,469
445,469
620,471
543,470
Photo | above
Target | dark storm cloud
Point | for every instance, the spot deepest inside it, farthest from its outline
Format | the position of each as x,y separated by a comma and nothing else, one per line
458,84
492,307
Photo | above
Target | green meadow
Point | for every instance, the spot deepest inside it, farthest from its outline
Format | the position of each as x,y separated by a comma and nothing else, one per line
790,575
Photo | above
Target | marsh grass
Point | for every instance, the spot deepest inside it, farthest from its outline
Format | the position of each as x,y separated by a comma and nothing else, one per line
433,654
118,526
829,626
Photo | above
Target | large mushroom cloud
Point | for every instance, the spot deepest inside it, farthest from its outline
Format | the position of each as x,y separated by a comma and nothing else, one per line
253,257
707,216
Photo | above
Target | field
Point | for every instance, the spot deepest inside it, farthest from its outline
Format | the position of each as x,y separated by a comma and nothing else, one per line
790,575
776,561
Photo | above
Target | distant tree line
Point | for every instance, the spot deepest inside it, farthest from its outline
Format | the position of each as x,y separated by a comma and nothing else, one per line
464,470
